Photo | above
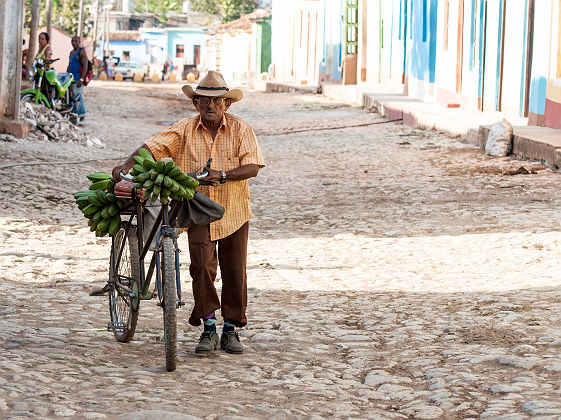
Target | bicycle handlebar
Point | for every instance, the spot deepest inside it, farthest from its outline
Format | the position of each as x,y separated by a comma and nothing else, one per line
198,177
47,62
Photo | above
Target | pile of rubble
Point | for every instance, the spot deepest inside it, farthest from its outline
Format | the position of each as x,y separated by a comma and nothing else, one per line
48,125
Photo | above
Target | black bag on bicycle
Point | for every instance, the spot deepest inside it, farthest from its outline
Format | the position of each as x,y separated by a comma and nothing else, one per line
198,211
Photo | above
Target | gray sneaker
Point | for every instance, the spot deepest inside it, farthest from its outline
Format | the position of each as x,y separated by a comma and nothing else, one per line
230,342
207,343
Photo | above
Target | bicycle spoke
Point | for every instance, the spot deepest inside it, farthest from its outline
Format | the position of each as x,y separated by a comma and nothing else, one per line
123,301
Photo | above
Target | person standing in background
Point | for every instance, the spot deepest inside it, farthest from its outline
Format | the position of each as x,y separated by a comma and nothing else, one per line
24,54
45,53
78,66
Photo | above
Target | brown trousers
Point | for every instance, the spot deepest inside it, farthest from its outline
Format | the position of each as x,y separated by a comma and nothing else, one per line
232,256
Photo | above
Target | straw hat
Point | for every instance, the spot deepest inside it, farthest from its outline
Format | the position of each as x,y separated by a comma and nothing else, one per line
213,84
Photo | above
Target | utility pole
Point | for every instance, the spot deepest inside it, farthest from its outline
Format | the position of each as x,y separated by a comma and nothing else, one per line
106,27
11,24
35,11
49,15
96,7
81,19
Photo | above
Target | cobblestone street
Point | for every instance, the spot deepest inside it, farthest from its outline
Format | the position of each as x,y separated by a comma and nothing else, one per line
393,273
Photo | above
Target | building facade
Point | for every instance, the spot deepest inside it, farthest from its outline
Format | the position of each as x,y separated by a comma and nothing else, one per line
240,49
297,45
486,55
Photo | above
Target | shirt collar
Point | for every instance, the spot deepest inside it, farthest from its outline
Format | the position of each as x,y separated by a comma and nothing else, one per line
223,123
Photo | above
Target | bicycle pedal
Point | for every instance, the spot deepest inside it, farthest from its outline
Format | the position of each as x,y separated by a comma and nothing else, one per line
102,291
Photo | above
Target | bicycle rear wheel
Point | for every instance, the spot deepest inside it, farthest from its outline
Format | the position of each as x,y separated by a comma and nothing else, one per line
169,302
125,280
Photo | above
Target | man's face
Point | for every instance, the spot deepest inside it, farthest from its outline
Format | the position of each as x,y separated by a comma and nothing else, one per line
75,42
211,109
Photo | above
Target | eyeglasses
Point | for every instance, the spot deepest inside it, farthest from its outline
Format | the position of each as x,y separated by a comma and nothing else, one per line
205,101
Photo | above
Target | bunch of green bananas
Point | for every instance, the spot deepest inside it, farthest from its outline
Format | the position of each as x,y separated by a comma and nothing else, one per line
100,205
164,180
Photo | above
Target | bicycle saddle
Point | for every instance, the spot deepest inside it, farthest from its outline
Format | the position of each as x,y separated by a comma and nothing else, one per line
63,77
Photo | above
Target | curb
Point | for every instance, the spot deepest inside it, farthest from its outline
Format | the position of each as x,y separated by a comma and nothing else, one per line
281,87
528,142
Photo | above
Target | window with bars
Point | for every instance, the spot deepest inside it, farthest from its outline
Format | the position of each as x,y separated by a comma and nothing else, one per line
351,25
179,51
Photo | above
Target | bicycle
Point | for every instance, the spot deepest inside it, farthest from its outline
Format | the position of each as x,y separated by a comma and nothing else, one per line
128,282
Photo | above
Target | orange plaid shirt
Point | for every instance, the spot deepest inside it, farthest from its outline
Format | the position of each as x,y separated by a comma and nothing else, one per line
190,145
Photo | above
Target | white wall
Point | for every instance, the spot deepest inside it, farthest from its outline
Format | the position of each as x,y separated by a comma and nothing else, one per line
446,59
208,61
514,57
236,55
297,40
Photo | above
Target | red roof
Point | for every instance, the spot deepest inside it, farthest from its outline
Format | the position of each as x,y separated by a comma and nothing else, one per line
243,23
124,36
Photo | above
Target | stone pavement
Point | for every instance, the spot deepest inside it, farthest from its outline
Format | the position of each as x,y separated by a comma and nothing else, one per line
392,273
529,142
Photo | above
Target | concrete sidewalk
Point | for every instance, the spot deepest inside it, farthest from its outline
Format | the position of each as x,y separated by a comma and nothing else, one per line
529,142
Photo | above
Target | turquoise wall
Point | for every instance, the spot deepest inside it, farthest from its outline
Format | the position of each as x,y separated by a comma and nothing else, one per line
421,42
540,54
332,39
188,39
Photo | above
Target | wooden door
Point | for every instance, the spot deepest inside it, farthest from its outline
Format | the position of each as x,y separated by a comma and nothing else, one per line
460,46
529,54
351,43
197,55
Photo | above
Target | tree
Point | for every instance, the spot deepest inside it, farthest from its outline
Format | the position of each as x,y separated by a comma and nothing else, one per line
48,14
64,14
228,10
34,24
160,8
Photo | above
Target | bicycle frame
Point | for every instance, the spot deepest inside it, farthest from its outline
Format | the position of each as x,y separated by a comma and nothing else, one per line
144,247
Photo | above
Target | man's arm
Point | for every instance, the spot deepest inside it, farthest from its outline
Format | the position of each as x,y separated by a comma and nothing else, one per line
83,66
127,165
237,174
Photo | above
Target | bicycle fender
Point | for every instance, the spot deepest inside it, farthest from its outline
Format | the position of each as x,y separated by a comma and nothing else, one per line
68,83
50,75
39,96
62,88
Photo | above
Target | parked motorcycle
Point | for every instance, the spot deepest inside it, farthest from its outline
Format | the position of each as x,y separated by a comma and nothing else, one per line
51,89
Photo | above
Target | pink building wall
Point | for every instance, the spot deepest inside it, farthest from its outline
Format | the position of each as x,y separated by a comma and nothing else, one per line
61,46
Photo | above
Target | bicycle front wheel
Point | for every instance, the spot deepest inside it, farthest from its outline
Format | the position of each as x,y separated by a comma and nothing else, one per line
125,280
169,302
30,97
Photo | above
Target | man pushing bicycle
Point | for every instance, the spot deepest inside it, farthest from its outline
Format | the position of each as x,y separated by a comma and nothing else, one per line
235,157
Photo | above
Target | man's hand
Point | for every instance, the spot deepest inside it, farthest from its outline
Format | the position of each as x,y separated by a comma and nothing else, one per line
116,173
237,174
79,83
125,167
214,176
